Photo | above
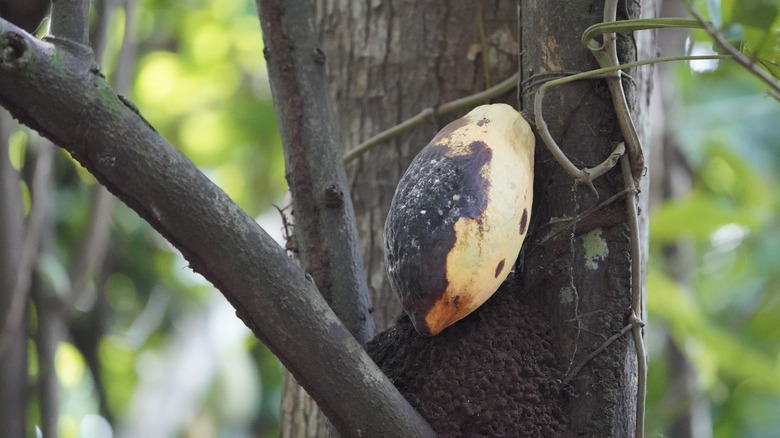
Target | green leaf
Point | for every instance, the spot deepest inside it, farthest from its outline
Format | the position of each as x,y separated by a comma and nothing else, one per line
717,346
696,216
759,14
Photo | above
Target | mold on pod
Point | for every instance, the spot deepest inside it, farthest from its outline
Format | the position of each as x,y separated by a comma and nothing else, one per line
459,216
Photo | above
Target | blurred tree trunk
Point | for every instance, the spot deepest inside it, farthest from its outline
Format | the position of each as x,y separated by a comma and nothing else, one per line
13,338
387,62
13,343
671,179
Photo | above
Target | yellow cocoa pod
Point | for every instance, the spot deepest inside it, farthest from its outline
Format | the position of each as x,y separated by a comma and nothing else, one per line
459,216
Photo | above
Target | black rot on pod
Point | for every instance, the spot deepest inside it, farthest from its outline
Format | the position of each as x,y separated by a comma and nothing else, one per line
459,216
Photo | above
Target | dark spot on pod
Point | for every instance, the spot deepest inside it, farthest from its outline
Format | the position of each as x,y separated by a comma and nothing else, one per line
456,301
500,267
524,221
483,121
433,194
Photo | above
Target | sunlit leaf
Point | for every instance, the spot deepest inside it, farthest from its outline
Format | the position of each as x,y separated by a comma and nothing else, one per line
696,216
117,359
670,302
69,364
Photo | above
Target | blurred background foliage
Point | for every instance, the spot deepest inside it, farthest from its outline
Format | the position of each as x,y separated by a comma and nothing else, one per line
153,350
172,358
713,290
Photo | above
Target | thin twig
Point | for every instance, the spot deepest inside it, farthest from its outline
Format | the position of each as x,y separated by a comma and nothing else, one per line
429,113
589,41
544,132
573,220
733,51
497,90
590,34
532,82
584,176
30,252
636,295
631,167
608,58
69,27
576,370
633,223
125,64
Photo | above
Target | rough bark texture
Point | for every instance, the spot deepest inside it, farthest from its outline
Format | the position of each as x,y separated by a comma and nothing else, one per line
580,278
299,415
324,220
387,61
498,371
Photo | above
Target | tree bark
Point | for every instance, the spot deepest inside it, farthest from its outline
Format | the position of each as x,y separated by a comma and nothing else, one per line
581,278
389,61
324,219
375,54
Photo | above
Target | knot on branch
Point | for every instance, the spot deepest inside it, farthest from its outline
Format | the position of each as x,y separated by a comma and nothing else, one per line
13,50
334,196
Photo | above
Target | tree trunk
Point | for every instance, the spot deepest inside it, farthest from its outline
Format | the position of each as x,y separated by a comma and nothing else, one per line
387,61
581,278
499,370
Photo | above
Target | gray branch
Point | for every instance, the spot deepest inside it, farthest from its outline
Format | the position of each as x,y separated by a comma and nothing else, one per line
324,218
69,21
65,99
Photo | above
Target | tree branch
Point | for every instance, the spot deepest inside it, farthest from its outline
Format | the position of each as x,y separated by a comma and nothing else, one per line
69,20
738,56
431,113
607,57
31,246
324,217
62,96
94,242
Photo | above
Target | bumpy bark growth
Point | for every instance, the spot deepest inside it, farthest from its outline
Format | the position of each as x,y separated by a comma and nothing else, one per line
495,373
